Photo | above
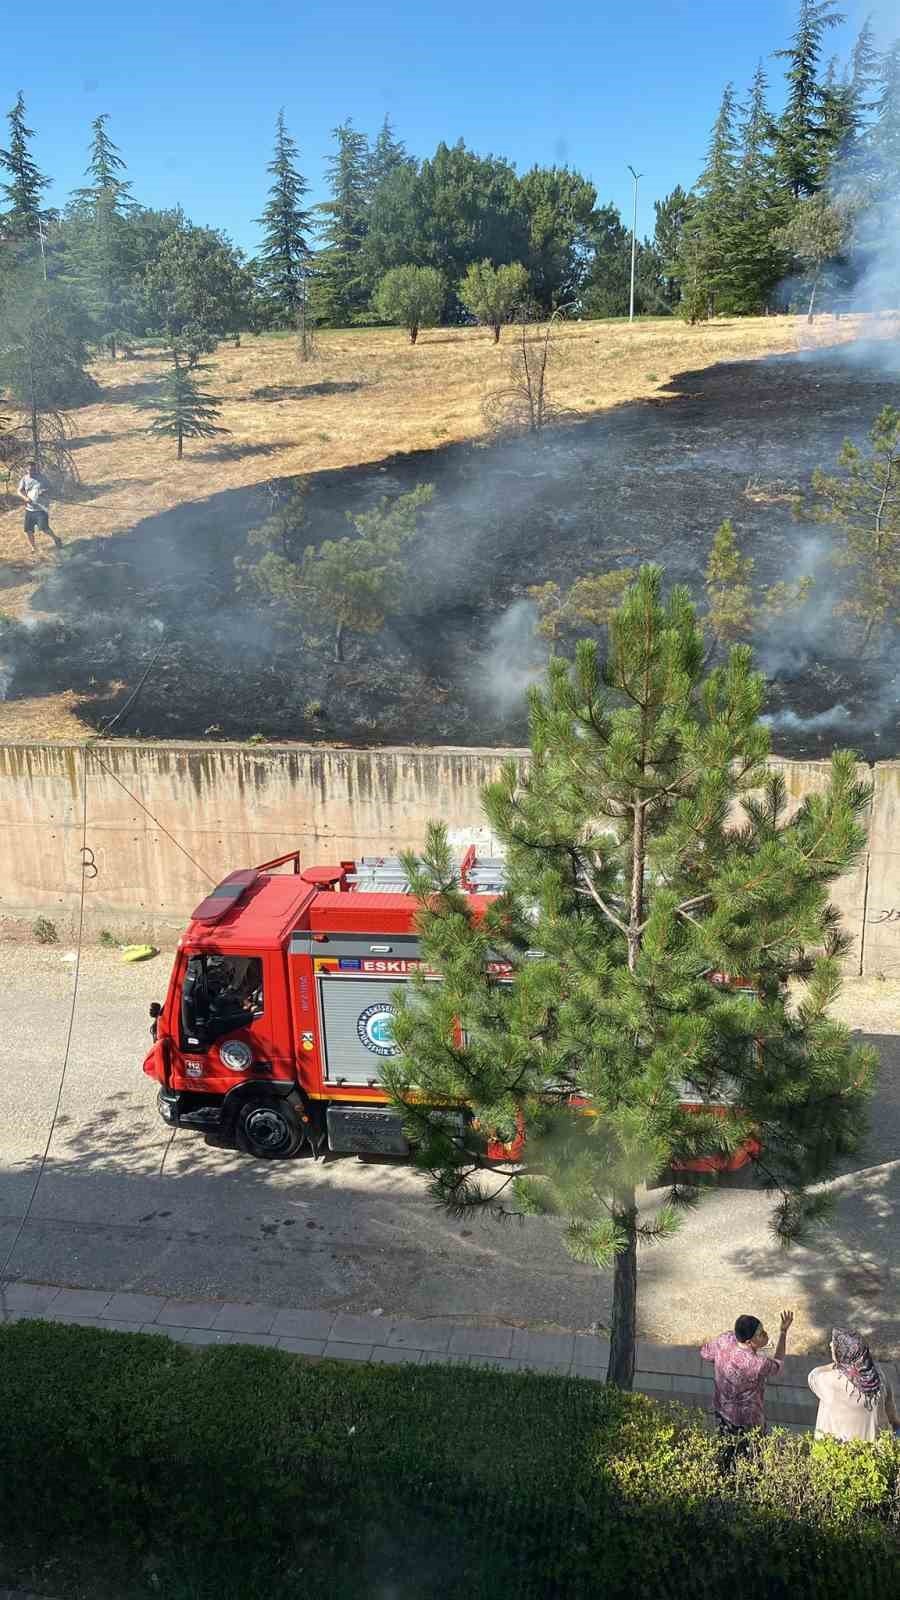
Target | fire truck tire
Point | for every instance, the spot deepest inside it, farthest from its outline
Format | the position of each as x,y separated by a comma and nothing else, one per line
269,1128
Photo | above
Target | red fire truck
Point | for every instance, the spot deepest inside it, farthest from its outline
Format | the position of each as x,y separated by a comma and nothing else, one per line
280,1006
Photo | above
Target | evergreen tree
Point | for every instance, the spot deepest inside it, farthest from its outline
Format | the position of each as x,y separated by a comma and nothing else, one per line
864,503
21,222
184,410
672,216
356,581
707,268
341,291
758,262
800,155
641,863
100,244
44,334
283,262
562,233
386,155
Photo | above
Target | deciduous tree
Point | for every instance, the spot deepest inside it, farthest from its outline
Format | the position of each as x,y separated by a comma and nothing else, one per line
412,297
492,294
647,848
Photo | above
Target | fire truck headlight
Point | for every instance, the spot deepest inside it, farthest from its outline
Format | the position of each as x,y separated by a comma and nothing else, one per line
236,1055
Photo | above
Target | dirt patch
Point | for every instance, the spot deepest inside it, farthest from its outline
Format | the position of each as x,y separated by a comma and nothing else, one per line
645,481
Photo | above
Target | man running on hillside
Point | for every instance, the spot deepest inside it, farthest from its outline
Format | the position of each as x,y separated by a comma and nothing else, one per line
34,490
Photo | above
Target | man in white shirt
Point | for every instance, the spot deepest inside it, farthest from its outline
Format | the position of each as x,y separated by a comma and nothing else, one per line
34,491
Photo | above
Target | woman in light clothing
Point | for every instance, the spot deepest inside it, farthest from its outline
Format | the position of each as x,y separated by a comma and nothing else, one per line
855,1399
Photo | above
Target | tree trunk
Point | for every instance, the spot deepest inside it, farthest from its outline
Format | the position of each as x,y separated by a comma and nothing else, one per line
180,444
496,327
339,642
112,347
812,298
414,333
622,1333
636,907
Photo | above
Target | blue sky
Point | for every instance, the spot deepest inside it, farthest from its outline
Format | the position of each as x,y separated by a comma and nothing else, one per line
192,91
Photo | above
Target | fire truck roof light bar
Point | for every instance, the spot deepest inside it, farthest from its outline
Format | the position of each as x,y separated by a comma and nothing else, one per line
226,895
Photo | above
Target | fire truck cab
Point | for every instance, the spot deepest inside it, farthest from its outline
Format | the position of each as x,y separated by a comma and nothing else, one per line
279,1011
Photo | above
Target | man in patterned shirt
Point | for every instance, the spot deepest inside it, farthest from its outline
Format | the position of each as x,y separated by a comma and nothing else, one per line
740,1375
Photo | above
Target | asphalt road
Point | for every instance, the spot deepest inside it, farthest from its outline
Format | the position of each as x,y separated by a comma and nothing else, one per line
119,1207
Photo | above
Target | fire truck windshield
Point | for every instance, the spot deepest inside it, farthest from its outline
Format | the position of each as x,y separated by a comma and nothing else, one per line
219,994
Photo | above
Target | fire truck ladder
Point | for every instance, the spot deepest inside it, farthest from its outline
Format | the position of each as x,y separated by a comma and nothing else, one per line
387,874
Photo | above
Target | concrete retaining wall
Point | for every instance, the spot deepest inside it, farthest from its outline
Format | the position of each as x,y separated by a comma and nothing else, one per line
214,807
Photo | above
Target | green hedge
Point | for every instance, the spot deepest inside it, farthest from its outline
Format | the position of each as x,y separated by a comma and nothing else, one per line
241,1471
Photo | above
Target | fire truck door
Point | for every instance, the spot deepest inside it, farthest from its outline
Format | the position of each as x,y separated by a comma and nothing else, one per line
357,1029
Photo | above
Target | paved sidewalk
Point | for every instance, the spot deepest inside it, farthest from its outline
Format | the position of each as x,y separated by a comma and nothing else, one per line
665,1372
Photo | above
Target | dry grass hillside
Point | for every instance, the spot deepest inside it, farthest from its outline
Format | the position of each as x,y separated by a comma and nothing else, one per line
368,395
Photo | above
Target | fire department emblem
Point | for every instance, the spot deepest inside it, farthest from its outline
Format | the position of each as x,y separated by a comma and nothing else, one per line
375,1029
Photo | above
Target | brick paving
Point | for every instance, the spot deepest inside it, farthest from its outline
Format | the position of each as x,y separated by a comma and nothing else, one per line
665,1372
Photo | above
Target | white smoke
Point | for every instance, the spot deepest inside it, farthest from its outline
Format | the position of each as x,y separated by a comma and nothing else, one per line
837,717
513,660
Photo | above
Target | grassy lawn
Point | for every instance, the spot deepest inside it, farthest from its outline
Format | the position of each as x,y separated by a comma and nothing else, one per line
135,1466
368,395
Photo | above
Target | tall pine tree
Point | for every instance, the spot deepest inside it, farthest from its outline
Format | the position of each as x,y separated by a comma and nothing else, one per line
283,262
758,262
648,851
707,267
386,155
800,154
21,222
104,262
341,291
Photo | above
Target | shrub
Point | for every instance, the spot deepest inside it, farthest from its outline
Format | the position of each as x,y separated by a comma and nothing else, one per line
238,1471
44,931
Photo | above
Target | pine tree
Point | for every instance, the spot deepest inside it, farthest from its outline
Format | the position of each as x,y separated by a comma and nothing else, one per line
864,503
341,292
104,263
641,861
355,581
707,267
757,261
183,409
22,221
284,259
798,134
387,154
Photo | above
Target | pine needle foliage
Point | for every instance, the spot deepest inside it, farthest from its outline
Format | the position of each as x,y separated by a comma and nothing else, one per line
183,409
864,503
648,847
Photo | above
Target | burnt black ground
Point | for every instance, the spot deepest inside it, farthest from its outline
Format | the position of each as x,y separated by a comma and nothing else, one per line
647,481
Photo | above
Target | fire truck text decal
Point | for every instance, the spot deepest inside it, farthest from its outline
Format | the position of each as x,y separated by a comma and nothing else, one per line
375,1029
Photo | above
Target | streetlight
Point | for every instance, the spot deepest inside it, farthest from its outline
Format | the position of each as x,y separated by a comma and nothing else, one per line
635,176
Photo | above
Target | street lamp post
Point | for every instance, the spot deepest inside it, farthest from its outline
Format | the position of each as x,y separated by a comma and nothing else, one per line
636,176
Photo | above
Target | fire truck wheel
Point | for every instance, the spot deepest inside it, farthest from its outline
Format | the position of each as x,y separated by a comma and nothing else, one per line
269,1128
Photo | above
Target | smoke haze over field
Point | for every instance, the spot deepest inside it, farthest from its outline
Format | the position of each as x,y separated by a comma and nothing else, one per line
640,482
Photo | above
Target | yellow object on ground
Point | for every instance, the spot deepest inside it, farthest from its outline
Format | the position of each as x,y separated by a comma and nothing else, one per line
139,952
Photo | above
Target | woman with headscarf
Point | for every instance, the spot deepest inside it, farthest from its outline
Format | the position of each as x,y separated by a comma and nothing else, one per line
855,1399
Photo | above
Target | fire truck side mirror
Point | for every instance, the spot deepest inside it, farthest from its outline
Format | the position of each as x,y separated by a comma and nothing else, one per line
155,1009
